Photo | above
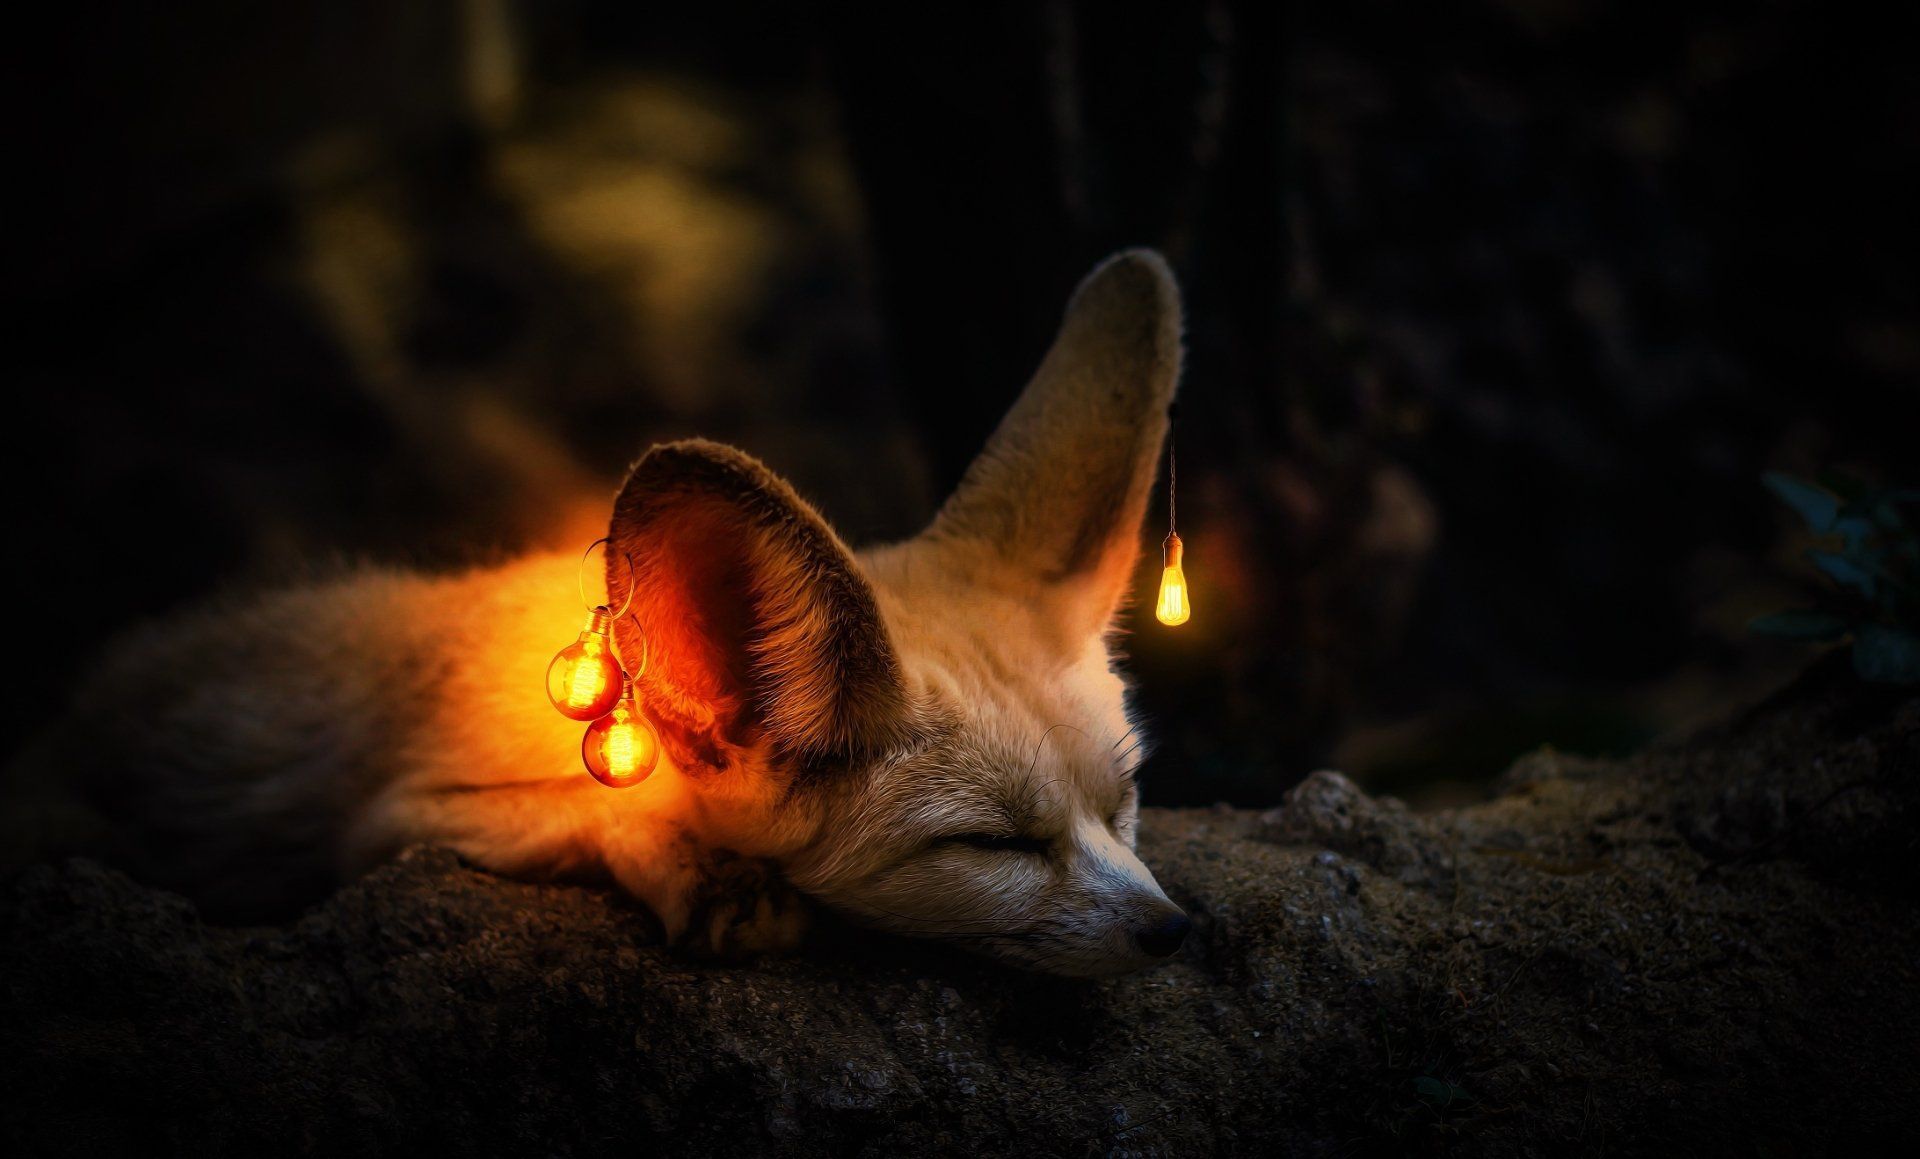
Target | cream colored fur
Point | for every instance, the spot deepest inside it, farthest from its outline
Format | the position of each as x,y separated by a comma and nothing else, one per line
928,737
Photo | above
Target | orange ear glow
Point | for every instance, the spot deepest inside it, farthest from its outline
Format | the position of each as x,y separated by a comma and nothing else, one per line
620,749
584,680
1173,608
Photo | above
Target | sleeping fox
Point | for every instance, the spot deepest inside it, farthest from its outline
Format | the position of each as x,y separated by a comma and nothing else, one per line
928,737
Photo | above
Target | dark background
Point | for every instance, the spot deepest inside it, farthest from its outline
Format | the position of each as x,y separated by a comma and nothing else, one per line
1497,312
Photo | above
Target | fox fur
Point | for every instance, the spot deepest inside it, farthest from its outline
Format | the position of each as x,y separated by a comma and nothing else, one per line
929,737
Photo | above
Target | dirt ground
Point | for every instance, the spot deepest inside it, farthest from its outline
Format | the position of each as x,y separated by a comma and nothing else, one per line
1709,948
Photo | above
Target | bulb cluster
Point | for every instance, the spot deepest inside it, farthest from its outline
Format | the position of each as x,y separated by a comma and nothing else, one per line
585,682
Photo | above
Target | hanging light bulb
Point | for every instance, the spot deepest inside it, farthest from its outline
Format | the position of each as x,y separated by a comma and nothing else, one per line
620,749
584,679
1172,609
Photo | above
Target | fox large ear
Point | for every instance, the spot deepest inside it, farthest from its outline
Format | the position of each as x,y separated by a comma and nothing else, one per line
1056,499
753,616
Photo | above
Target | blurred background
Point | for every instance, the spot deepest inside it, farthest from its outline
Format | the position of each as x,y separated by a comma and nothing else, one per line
1497,312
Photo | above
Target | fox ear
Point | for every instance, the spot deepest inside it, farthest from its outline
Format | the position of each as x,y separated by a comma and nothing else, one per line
752,614
1057,497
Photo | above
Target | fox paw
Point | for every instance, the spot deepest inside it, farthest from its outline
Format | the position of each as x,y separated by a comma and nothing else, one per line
744,907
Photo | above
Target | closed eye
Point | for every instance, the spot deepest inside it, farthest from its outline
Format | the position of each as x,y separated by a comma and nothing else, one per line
999,842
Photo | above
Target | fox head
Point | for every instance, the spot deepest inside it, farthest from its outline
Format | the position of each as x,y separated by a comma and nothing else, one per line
937,724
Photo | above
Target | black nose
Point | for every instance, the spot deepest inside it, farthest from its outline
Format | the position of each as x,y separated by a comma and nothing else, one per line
1163,937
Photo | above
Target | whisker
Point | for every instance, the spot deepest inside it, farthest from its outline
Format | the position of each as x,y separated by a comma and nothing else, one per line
1035,762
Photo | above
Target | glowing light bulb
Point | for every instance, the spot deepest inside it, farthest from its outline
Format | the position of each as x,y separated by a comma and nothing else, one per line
1172,608
620,749
584,679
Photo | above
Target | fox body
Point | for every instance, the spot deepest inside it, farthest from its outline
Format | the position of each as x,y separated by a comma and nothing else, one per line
928,737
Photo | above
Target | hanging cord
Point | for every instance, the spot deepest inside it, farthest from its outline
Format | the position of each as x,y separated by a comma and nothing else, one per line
626,607
1173,466
580,581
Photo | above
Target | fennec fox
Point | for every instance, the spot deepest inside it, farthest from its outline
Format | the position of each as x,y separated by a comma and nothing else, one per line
928,737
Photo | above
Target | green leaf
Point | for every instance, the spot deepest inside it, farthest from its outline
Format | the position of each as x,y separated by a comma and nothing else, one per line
1886,509
1815,504
1854,530
1851,488
1801,624
1884,654
1847,571
1439,1092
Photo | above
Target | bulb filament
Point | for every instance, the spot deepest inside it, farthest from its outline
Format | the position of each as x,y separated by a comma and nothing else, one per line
1173,609
587,680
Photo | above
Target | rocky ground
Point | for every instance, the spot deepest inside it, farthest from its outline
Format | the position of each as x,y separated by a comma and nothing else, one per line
1711,948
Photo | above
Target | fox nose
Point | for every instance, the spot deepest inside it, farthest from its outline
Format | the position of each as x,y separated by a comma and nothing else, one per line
1163,937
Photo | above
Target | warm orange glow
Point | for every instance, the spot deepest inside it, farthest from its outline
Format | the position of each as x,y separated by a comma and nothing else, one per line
621,749
587,683
1173,608
584,680
621,758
